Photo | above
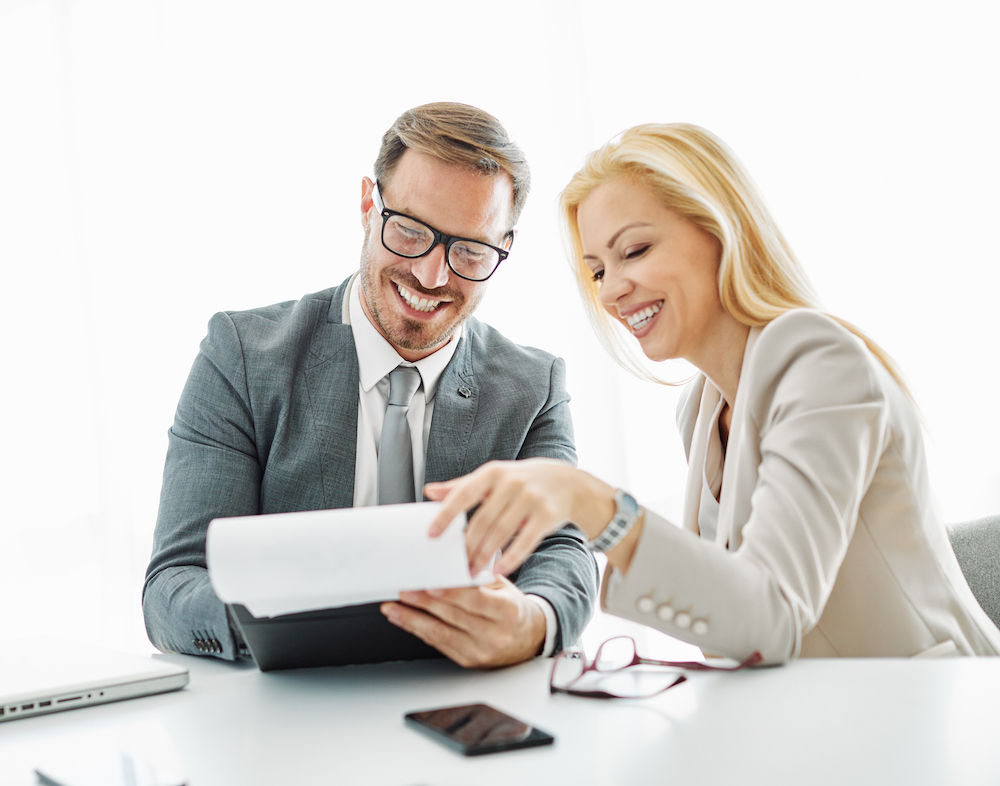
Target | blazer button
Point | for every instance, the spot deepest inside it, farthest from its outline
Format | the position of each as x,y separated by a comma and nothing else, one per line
665,612
645,604
682,620
699,627
464,392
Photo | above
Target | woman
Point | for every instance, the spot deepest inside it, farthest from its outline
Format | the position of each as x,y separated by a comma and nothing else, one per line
809,527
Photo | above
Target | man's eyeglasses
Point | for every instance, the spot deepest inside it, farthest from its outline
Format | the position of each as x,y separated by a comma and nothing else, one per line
408,237
612,675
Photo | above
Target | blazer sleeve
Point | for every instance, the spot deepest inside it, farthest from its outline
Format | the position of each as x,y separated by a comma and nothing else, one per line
211,470
562,569
817,418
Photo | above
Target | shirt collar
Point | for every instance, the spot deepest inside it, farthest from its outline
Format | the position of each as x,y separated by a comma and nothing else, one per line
377,357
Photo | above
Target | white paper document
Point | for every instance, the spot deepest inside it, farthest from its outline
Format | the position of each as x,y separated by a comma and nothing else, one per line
284,563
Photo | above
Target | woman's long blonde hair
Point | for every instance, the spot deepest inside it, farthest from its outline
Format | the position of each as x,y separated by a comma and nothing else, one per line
695,174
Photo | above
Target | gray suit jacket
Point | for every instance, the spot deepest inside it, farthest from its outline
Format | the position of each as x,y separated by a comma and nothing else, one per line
267,423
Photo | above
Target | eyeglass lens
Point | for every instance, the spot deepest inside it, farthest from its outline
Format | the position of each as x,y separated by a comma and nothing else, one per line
614,654
567,668
410,238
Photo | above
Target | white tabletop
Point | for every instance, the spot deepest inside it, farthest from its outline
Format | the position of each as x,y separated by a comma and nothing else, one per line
812,721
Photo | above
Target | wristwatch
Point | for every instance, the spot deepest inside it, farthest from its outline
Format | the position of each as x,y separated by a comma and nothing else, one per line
627,512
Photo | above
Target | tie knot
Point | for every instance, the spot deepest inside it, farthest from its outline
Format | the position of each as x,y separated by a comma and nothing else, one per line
403,383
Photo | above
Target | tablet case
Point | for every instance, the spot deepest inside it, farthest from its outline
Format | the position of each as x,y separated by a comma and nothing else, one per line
328,637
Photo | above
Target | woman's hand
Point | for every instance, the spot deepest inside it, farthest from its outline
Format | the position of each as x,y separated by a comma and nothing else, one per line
520,500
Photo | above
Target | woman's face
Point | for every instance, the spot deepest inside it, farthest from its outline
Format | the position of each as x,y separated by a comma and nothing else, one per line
657,270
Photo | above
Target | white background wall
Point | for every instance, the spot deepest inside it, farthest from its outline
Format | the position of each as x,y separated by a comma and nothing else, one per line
163,160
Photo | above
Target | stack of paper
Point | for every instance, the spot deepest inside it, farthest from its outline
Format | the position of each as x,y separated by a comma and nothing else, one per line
285,563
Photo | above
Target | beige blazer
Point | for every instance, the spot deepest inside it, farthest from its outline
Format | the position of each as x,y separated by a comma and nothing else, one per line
829,541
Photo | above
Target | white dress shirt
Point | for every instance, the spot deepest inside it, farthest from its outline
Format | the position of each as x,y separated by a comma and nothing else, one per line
376,358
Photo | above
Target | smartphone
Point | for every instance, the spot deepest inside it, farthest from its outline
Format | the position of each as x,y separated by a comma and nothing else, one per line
475,729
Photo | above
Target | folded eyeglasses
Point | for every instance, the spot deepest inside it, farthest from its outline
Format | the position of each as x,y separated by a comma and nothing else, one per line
613,676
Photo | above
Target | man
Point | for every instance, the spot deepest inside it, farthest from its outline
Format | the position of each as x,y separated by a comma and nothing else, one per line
288,407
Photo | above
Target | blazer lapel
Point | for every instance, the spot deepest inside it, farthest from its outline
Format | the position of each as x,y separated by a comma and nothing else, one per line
455,405
332,382
696,456
731,520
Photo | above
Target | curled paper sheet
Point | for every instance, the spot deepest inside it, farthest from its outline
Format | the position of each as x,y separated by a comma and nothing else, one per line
284,563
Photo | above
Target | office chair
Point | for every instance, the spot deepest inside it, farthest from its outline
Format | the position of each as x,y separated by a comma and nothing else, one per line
977,546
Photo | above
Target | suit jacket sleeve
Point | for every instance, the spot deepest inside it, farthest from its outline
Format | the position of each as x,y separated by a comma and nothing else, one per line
211,470
562,570
817,414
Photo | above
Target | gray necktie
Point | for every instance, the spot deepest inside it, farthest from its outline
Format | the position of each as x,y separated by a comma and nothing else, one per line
395,451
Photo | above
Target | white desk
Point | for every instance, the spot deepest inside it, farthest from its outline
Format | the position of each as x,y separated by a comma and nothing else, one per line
815,722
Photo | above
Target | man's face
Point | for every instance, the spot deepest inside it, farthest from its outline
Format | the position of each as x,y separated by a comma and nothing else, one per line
417,304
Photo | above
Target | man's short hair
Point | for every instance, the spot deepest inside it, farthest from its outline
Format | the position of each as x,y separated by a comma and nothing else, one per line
457,134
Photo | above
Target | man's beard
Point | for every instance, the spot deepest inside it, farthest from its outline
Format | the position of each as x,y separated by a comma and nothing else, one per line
402,332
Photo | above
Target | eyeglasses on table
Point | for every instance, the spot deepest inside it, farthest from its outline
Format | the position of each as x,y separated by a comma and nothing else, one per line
612,662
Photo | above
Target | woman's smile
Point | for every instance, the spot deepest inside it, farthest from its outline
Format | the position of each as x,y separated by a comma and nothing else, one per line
657,270
640,320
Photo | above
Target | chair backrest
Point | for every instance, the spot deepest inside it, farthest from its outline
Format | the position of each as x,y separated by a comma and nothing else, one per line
977,546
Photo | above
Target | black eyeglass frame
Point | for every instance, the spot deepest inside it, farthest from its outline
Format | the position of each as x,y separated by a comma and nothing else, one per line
439,237
754,659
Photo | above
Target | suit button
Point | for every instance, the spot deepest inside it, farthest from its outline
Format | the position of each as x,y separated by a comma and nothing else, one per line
699,627
464,392
645,604
682,620
665,612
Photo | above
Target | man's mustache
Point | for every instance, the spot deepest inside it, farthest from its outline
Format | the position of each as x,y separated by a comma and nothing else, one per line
408,280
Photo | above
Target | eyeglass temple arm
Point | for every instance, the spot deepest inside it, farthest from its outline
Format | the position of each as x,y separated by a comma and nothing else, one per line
752,660
601,694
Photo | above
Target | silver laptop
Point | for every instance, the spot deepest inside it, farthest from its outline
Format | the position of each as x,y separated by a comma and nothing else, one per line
49,674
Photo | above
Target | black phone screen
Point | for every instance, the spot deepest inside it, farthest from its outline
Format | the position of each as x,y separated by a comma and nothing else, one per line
475,729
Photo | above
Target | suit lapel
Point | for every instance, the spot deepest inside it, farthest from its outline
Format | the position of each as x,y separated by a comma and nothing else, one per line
732,519
332,382
455,405
696,462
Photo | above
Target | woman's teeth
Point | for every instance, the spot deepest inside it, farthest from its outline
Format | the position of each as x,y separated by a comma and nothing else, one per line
417,304
640,319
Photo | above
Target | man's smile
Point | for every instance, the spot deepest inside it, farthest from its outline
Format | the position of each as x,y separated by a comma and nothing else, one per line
415,301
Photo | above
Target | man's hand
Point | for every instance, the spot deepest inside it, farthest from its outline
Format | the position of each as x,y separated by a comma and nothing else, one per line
477,627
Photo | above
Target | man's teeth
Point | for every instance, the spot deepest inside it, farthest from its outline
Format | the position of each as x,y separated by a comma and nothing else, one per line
640,319
417,304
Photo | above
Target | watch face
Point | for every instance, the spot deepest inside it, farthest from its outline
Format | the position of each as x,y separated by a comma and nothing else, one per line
627,506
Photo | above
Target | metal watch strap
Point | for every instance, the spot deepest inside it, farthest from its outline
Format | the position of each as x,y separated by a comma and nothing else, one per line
626,514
